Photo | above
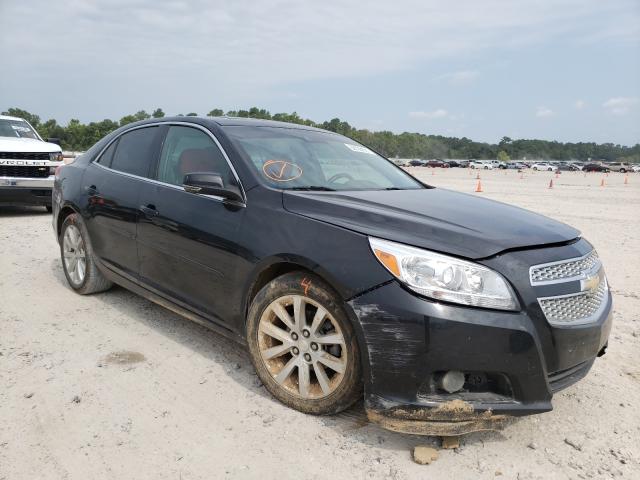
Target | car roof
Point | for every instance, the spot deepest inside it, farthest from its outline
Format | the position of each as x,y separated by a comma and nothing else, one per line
7,117
231,121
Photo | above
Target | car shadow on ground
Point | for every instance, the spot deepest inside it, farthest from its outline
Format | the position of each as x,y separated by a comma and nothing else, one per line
9,211
236,364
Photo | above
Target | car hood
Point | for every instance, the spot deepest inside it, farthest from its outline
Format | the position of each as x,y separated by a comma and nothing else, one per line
15,144
433,218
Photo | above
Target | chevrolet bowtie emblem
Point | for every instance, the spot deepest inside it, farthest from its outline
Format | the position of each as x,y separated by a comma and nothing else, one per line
591,282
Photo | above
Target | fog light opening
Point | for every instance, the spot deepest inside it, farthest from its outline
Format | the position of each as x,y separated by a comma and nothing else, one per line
452,381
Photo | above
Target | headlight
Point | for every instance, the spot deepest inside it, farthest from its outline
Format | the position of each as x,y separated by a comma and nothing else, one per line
56,156
444,278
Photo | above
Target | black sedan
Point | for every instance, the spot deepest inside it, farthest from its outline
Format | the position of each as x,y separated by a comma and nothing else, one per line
595,167
341,273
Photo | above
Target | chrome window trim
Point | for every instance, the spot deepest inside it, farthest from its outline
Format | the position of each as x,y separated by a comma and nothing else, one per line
158,182
574,278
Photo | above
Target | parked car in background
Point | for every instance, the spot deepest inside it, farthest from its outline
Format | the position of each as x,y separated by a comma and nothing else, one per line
567,167
498,164
482,164
515,165
544,166
437,164
619,167
344,276
27,164
595,167
416,163
454,163
635,168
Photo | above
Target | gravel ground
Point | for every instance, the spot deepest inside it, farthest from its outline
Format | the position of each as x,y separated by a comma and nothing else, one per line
113,386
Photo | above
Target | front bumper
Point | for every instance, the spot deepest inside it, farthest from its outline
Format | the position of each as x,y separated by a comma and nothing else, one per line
26,191
407,341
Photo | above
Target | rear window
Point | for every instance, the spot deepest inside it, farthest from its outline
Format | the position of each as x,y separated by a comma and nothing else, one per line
134,151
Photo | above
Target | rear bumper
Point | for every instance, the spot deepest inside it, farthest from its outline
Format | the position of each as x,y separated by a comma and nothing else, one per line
26,191
408,341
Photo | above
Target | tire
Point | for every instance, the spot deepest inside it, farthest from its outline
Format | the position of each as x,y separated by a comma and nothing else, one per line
622,170
338,390
486,168
78,259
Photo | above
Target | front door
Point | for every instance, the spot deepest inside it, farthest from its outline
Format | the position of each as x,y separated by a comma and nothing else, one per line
187,243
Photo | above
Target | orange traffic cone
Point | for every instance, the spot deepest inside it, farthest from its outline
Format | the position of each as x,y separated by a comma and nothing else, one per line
551,183
602,182
479,187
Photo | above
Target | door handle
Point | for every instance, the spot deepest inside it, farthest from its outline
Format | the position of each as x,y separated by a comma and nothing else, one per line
91,189
149,210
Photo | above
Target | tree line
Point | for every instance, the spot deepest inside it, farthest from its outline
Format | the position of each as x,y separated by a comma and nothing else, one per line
77,136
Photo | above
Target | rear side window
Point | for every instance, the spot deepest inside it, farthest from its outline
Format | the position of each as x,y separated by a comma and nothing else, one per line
134,151
190,150
107,156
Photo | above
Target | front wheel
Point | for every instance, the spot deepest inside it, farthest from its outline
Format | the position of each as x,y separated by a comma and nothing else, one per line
303,346
622,170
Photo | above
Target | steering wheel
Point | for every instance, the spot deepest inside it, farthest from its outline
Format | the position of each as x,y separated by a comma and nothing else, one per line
338,176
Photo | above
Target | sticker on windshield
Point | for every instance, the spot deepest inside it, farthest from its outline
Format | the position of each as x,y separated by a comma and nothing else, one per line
358,148
281,170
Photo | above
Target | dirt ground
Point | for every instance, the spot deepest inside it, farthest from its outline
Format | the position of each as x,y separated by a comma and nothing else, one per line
113,386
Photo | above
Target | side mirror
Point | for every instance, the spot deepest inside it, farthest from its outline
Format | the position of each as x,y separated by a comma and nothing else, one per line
209,184
54,140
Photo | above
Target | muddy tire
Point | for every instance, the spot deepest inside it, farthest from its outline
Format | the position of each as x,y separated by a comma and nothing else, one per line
303,346
78,261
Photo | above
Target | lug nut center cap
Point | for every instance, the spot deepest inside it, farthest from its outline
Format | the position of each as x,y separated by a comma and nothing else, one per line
304,345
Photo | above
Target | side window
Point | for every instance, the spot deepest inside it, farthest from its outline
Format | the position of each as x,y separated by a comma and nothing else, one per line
134,151
107,156
190,150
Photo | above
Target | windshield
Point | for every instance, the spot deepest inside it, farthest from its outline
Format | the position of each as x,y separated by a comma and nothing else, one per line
16,128
296,159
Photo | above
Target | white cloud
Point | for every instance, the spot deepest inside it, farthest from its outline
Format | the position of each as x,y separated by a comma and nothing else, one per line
620,105
439,113
544,112
463,77
580,104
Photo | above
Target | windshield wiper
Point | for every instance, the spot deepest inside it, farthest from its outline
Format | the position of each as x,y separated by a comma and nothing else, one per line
313,188
393,188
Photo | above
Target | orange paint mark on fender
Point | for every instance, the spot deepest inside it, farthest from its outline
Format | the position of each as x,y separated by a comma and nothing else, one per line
305,283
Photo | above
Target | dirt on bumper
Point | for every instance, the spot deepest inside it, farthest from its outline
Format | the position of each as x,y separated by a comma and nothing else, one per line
455,417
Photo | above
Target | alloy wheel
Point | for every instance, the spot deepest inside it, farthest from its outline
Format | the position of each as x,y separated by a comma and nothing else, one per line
75,258
302,346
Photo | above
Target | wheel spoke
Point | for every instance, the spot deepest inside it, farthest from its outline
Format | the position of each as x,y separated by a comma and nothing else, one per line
330,339
275,332
276,351
282,314
286,370
334,363
298,312
323,380
81,269
318,318
303,379
73,264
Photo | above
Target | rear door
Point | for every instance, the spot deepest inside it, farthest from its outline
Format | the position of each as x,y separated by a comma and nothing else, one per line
188,243
112,186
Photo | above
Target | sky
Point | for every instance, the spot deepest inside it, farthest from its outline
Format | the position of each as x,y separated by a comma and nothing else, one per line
566,70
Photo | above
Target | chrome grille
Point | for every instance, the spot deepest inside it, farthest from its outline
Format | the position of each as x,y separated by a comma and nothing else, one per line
575,308
572,269
24,155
